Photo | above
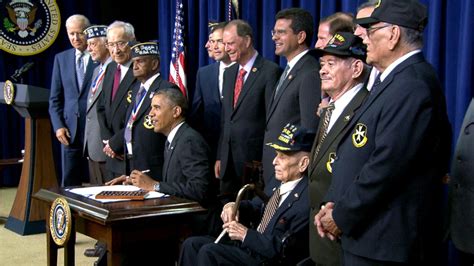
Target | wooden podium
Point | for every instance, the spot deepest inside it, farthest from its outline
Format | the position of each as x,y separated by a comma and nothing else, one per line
27,216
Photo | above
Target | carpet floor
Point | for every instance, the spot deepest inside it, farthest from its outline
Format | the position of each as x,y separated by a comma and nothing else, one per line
20,250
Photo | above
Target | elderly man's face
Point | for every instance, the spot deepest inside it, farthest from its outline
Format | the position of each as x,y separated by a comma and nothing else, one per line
97,49
336,73
75,33
117,43
162,114
144,67
288,166
376,39
323,36
235,46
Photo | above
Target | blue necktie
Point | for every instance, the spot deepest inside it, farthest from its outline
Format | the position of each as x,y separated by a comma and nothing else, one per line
80,71
128,127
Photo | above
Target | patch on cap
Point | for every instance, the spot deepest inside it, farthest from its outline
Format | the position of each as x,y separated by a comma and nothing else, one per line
145,48
96,31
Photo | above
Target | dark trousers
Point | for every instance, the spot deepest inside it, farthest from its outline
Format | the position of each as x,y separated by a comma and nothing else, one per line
74,164
350,259
201,250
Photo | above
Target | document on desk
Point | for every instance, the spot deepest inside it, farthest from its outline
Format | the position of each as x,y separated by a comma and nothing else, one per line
90,192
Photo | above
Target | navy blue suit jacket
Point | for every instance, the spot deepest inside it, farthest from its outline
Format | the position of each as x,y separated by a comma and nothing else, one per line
205,114
291,216
68,102
387,173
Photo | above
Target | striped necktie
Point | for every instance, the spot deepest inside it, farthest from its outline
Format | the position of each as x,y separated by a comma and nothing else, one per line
270,210
324,129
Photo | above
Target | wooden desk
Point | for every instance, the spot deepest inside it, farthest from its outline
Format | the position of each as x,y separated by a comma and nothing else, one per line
119,224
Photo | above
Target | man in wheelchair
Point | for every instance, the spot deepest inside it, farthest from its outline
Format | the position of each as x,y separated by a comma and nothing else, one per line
259,233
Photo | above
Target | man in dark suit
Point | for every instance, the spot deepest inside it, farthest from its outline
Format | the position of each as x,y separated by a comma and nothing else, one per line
461,191
71,79
286,212
247,89
386,193
144,148
187,170
116,96
96,45
343,72
297,94
206,107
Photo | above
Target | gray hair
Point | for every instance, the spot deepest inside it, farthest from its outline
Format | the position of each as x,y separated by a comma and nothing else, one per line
412,37
127,28
78,18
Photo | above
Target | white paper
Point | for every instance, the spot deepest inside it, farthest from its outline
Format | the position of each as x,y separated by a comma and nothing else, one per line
90,192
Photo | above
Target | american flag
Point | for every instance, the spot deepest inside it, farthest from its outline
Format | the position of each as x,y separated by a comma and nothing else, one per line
178,63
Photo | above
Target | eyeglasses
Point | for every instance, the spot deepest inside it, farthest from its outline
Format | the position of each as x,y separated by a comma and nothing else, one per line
277,32
120,44
370,30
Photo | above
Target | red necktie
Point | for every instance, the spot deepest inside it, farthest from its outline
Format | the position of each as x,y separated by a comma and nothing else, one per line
117,75
238,85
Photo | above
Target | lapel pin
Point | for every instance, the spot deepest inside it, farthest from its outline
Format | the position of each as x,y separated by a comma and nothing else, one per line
254,69
347,118
290,77
296,195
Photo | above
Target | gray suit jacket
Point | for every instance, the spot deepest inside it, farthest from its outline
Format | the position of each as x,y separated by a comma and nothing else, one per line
92,141
323,250
461,187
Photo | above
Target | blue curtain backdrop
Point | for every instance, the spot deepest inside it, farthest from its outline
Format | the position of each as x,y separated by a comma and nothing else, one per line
448,44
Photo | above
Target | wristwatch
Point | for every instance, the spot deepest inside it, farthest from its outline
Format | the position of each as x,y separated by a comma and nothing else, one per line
156,187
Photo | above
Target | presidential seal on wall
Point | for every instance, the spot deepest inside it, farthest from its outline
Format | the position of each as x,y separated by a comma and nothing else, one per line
60,221
28,27
9,92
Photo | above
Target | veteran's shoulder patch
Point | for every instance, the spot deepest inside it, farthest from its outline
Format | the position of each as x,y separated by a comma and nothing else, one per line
359,137
331,158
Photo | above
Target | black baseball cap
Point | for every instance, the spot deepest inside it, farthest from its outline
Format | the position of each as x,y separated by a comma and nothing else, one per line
293,138
406,13
345,44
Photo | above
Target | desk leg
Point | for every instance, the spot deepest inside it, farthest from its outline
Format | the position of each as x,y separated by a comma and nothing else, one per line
69,248
114,246
52,248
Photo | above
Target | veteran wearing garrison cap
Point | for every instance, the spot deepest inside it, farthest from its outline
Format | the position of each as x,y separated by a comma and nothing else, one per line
342,73
143,147
285,214
385,198
96,46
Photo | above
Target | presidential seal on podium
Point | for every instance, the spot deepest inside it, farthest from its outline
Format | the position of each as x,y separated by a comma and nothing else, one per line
60,221
9,92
